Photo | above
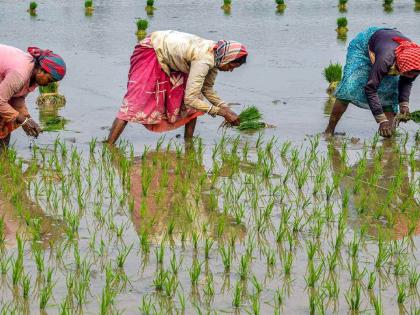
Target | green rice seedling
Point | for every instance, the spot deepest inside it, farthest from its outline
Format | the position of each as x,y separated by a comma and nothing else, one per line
258,287
333,74
372,280
377,305
141,28
342,5
402,293
255,304
32,8
244,266
387,4
195,272
313,274
160,279
207,247
194,238
17,270
174,264
281,6
147,306
122,255
413,278
160,253
227,6
150,7
342,27
400,266
417,5
237,295
4,265
353,297
383,254
209,286
89,7
311,249
45,295
26,286
287,260
226,255
332,288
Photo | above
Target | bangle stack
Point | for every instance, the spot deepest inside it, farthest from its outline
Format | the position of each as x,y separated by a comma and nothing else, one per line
25,121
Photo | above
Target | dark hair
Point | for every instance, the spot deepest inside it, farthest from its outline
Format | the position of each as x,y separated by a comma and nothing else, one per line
240,60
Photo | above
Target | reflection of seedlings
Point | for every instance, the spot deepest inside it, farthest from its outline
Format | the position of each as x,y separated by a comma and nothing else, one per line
150,7
54,124
342,27
32,8
89,7
281,6
227,6
333,74
417,5
388,6
141,28
342,5
50,96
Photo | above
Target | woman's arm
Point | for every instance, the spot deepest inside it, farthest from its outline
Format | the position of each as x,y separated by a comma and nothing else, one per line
379,70
208,91
404,90
193,91
11,84
19,104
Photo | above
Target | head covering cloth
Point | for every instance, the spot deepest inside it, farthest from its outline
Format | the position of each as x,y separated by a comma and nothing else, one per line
49,62
227,51
407,55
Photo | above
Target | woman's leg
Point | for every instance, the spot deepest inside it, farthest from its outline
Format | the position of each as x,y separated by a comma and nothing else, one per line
189,128
340,106
116,130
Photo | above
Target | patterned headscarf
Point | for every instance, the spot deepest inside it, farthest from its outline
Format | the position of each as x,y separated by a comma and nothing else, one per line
407,55
227,51
49,62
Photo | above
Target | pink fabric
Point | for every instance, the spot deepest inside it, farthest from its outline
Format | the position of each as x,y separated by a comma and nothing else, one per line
15,60
153,98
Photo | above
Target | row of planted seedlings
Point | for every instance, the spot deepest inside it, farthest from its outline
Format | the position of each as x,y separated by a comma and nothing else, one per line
260,226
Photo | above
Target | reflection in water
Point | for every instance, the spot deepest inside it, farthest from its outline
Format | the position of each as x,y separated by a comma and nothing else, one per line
18,213
381,188
171,196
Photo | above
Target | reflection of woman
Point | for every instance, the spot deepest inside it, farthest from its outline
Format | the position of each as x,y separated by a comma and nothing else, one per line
370,198
169,75
13,222
176,194
380,69
20,73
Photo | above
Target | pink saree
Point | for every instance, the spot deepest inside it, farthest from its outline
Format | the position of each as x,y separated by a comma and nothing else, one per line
153,98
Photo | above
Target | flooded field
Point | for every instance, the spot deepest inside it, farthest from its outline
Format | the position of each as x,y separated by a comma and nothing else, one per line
282,221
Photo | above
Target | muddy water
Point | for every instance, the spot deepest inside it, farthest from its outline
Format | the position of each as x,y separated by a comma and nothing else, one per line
283,77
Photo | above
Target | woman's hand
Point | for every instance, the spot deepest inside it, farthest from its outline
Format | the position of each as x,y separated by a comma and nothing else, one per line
405,113
30,127
385,129
229,116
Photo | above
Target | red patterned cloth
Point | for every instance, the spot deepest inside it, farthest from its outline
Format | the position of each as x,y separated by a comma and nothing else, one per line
153,98
227,51
407,55
50,62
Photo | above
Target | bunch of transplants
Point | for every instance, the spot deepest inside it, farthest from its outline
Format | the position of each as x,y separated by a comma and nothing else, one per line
342,27
89,7
388,5
417,5
141,28
187,226
227,6
342,5
333,74
32,8
49,96
281,6
150,7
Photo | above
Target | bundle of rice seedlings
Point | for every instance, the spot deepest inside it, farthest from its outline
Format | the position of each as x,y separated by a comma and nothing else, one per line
251,119
415,116
333,74
50,96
